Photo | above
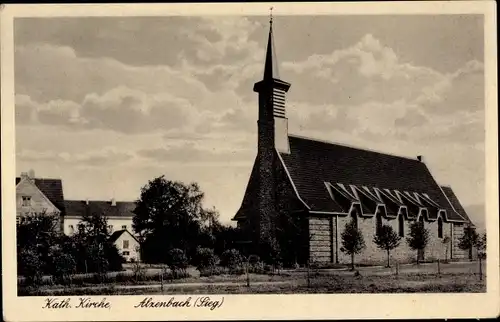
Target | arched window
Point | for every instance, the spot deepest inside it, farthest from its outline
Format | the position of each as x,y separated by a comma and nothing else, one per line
379,222
401,222
440,228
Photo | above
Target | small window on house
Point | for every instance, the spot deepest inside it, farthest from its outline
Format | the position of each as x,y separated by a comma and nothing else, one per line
18,220
71,229
124,227
401,222
440,228
125,244
126,253
110,227
26,201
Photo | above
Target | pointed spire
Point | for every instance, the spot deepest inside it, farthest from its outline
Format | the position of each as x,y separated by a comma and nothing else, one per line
271,65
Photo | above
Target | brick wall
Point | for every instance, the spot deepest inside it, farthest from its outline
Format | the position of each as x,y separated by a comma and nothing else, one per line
326,242
458,232
320,244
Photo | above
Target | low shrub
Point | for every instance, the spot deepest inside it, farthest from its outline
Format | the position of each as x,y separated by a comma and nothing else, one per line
231,259
205,257
211,271
237,270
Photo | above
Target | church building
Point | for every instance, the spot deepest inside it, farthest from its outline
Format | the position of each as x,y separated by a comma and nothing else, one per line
316,188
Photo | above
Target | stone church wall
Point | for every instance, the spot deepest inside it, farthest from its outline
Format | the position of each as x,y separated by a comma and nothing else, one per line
458,232
323,246
320,244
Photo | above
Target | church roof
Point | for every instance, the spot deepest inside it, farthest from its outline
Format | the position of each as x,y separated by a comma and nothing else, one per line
78,208
312,163
455,203
52,189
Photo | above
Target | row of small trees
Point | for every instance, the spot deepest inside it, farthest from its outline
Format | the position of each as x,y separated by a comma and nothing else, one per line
387,239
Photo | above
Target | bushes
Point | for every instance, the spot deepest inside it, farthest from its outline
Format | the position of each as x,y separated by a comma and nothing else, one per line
231,259
119,278
177,262
205,258
30,265
211,271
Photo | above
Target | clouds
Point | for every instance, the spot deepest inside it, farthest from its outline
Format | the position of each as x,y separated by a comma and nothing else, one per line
39,66
120,109
106,157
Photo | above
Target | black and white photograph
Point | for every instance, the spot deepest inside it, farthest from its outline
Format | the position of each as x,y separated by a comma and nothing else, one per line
167,155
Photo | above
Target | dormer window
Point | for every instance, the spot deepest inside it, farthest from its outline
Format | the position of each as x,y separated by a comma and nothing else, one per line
26,201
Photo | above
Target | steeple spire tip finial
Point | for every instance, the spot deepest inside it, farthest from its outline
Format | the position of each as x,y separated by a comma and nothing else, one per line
271,16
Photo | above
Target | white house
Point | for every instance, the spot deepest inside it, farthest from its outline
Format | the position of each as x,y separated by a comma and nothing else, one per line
127,244
42,195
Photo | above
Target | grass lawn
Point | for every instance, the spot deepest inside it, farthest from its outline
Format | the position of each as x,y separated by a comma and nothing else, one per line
454,278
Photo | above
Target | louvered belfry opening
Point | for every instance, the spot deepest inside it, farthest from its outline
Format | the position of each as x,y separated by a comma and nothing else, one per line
279,102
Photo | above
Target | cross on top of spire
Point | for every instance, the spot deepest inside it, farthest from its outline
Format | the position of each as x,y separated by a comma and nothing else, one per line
271,15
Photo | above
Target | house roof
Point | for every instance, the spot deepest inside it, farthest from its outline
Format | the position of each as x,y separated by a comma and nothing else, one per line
311,163
455,203
52,189
78,208
114,236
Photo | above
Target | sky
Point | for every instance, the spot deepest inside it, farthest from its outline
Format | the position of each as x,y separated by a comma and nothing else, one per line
108,103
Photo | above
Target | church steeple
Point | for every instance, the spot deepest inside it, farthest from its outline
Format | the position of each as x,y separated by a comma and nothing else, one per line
271,65
272,94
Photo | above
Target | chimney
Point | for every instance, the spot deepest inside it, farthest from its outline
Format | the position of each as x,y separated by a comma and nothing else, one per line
31,174
87,201
419,158
113,202
24,175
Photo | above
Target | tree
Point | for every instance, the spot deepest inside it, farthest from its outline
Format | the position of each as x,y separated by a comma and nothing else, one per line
418,239
481,246
63,264
468,240
29,264
35,236
446,241
173,209
352,241
177,261
95,251
387,239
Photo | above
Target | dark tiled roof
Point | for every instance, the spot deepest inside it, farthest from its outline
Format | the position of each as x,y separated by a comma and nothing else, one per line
78,208
455,202
312,163
52,189
114,236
